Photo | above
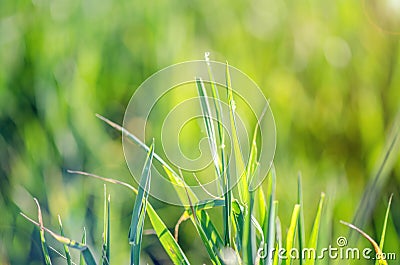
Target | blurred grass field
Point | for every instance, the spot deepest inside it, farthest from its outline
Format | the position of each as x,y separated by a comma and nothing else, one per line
330,70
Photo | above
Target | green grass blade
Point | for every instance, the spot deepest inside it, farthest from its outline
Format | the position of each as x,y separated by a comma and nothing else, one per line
209,235
260,207
222,173
66,249
227,213
269,226
174,177
253,162
376,184
276,260
105,257
383,235
167,240
247,242
238,222
137,141
43,243
278,228
239,162
221,146
208,121
219,118
181,189
301,217
85,251
292,233
139,209
83,241
313,241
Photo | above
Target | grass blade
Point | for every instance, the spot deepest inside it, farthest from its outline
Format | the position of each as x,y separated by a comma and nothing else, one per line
181,189
221,172
238,222
66,249
81,258
167,240
42,237
292,233
224,168
269,227
247,242
239,162
277,258
208,121
377,183
174,177
383,235
139,209
146,148
209,235
377,249
106,229
313,241
85,251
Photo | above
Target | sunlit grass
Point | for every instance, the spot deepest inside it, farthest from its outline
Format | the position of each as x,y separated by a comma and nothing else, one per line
250,222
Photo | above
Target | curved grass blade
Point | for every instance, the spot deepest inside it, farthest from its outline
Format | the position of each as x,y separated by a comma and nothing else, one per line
66,249
167,240
383,235
45,250
183,192
105,257
139,209
291,233
313,241
175,178
146,148
377,249
85,251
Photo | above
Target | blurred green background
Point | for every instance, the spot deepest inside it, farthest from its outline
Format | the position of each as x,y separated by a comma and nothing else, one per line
330,69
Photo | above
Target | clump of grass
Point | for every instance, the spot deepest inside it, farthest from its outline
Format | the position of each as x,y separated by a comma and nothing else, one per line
250,220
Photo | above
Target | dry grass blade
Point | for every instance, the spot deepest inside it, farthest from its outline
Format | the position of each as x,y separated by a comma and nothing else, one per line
89,259
167,240
139,209
42,237
373,243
